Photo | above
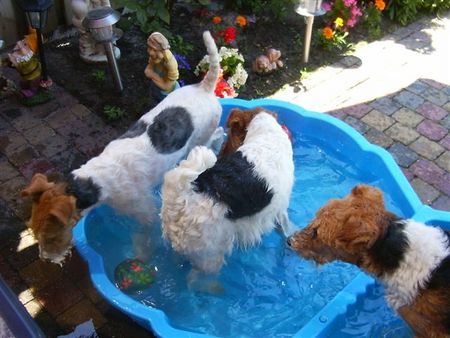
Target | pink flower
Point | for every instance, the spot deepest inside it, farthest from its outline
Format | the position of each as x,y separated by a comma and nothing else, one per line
326,6
356,12
349,3
351,22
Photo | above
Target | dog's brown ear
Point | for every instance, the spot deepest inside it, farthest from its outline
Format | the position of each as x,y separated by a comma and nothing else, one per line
64,210
368,194
37,186
358,234
236,120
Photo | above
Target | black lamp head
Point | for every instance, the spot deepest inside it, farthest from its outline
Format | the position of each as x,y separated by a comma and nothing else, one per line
36,11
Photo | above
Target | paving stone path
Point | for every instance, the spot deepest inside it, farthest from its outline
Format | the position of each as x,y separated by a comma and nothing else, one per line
395,91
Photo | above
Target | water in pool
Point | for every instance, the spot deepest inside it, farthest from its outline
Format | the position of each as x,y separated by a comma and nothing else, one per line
268,290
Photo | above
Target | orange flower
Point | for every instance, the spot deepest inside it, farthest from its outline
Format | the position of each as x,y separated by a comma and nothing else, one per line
327,33
216,19
380,5
241,21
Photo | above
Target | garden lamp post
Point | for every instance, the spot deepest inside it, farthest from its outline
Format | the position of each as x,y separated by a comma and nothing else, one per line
99,22
309,9
37,12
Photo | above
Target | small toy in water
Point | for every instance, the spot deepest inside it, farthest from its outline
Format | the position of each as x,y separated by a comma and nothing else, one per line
287,131
133,275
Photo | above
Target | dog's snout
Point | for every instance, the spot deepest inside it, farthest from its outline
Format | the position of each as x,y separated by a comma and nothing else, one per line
289,241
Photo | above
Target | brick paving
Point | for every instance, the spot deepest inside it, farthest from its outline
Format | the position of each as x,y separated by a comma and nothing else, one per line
395,91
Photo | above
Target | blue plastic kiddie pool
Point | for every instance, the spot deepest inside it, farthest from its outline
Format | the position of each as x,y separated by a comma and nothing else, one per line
268,290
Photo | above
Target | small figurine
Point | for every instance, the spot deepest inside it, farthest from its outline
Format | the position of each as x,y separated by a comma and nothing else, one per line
24,59
266,63
162,67
90,51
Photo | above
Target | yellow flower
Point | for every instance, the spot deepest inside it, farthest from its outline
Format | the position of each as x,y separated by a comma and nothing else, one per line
216,19
339,22
241,21
380,5
327,33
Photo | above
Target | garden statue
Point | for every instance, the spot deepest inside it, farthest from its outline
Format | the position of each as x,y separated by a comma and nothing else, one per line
90,50
162,67
266,63
33,88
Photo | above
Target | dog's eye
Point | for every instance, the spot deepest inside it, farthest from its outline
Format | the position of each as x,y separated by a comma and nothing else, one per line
314,233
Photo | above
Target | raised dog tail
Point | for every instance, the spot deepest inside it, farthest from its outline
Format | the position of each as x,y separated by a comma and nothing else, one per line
199,159
210,79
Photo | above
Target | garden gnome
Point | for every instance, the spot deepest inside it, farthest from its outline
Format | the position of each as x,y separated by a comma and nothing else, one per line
24,59
90,50
162,67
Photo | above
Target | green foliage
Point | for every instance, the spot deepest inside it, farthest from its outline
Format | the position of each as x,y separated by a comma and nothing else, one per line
99,75
372,21
149,15
403,11
436,6
336,44
113,112
178,45
406,11
276,8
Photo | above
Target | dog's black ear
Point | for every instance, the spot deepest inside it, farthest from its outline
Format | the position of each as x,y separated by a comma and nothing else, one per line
37,186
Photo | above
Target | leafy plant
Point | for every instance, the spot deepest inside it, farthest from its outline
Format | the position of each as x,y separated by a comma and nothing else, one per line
113,112
99,75
178,45
403,11
150,15
333,41
276,8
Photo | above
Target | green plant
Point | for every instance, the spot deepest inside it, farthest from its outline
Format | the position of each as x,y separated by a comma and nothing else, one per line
276,8
333,41
403,11
372,21
113,112
178,45
150,15
99,75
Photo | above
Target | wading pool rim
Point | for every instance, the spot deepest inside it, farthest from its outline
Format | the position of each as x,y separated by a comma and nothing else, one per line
322,323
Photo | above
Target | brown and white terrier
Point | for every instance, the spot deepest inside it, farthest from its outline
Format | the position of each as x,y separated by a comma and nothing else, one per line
237,124
53,215
410,258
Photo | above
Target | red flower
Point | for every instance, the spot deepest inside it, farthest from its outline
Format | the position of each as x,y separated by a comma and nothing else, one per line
126,283
136,267
223,89
229,34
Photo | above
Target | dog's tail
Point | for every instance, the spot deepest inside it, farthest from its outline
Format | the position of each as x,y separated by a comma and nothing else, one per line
178,180
177,191
210,79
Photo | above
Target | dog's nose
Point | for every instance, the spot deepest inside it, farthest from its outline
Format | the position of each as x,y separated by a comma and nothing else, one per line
288,241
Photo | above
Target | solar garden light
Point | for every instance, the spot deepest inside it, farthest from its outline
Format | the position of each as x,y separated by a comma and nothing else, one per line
309,9
37,13
99,22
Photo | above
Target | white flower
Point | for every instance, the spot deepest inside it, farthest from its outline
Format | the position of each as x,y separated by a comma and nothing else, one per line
231,62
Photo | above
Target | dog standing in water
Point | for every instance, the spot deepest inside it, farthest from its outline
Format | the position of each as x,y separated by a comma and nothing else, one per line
210,205
127,170
410,258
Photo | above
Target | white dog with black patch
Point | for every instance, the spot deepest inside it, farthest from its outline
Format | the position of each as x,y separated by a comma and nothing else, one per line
127,170
210,205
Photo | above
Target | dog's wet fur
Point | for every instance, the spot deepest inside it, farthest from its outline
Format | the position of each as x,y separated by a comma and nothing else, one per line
410,258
